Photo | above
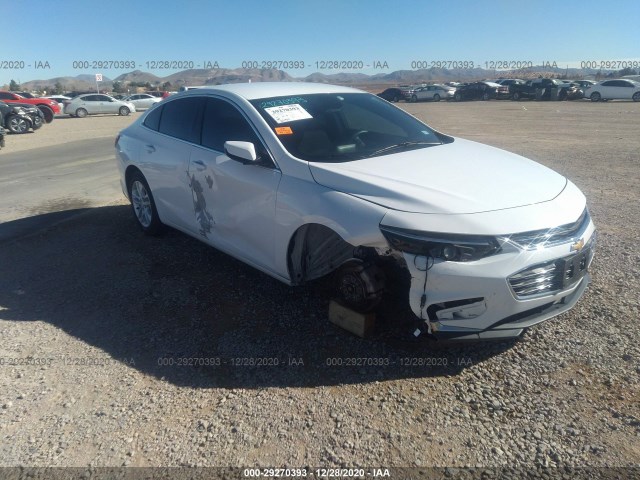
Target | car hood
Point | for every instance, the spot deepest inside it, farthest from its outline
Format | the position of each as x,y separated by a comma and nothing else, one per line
456,178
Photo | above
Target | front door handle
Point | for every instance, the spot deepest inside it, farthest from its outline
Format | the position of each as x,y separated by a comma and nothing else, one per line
150,148
200,165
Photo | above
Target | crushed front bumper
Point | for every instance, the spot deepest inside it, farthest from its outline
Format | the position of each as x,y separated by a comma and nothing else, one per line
480,300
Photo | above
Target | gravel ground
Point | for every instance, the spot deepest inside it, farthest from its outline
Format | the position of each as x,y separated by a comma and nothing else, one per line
96,320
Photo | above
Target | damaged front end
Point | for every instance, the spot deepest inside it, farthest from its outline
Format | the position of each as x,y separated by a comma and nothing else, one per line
475,287
317,251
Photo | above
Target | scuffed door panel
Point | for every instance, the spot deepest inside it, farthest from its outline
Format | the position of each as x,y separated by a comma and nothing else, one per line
234,205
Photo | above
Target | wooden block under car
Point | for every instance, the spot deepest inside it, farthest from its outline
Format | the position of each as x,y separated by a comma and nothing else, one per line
359,323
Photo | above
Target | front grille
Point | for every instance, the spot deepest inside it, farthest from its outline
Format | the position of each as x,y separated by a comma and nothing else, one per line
553,236
553,276
536,280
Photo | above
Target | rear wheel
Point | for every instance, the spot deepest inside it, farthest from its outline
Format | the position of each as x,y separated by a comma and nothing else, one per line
18,124
636,97
515,96
396,99
47,112
595,97
124,111
436,98
414,98
485,96
143,205
81,113
457,97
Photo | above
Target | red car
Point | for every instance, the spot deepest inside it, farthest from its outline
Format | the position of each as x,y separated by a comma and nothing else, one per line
48,107
159,94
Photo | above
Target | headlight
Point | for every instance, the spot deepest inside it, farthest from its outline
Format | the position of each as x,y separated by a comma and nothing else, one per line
449,247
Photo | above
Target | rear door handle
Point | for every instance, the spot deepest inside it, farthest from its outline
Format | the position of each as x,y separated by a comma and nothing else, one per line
150,148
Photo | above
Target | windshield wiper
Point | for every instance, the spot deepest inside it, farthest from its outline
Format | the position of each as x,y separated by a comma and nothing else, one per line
399,146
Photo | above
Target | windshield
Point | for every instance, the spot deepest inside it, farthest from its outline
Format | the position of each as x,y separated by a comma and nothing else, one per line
342,127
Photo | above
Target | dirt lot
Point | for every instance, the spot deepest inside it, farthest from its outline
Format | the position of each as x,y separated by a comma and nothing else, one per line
123,350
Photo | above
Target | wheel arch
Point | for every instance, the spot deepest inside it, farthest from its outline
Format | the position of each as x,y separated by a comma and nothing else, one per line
128,175
315,250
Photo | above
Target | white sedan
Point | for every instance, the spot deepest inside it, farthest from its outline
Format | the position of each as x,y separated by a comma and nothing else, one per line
432,92
614,90
60,99
142,101
96,103
303,180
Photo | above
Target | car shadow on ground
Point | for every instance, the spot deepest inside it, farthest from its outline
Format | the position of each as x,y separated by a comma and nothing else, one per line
175,308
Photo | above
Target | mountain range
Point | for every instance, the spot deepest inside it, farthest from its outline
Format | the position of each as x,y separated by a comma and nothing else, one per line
225,75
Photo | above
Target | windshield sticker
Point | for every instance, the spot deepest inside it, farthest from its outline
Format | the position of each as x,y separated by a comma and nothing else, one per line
288,113
282,101
284,131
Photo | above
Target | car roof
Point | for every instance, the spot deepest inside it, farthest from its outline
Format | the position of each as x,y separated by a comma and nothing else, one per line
252,91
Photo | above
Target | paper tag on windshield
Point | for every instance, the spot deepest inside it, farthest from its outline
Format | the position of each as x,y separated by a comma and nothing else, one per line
288,113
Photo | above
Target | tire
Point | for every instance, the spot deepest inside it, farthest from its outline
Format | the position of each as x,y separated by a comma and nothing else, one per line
396,99
414,99
485,96
515,96
636,97
124,111
37,122
81,113
47,112
18,124
143,205
436,98
595,97
457,97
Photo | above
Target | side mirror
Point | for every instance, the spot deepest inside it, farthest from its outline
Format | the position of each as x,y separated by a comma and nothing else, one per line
244,152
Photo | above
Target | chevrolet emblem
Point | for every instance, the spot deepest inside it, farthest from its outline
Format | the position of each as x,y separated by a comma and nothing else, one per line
579,245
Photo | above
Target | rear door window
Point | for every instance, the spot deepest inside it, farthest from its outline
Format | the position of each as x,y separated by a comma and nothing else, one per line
182,118
152,120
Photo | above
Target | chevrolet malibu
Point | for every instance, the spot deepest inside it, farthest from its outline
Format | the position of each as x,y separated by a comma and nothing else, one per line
305,180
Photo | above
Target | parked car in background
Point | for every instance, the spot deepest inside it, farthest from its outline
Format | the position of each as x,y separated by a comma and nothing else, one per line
186,89
620,89
34,113
60,99
97,103
407,91
2,134
392,94
142,101
508,81
307,180
19,119
545,89
75,93
159,93
432,92
48,107
582,84
479,91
